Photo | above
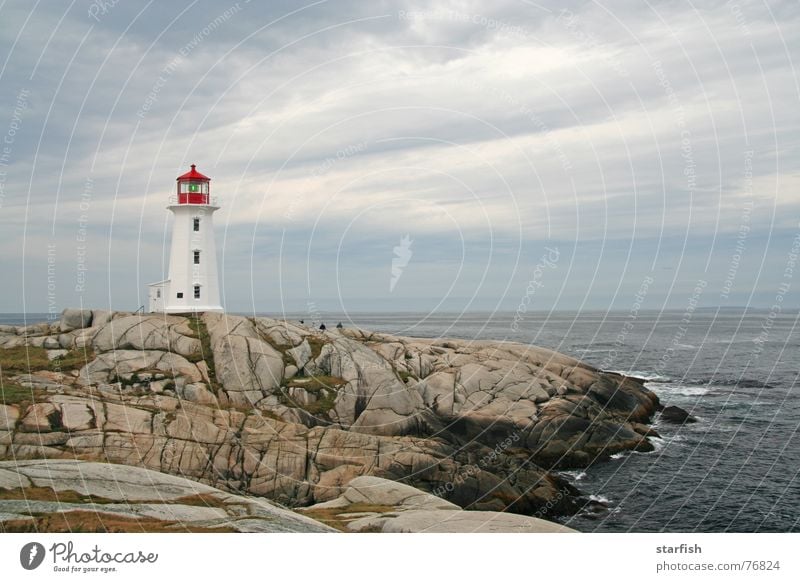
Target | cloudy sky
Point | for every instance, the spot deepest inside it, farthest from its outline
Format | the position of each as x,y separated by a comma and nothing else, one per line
623,142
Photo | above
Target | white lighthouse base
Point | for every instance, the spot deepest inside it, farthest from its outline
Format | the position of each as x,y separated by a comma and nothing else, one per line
159,292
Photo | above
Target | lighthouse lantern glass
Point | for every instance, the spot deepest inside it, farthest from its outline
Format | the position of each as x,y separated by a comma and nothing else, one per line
194,188
193,192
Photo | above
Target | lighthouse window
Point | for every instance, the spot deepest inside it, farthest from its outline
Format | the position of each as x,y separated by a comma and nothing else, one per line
193,188
197,291
197,257
196,225
180,295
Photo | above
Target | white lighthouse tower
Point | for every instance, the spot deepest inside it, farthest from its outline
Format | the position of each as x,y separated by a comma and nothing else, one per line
192,285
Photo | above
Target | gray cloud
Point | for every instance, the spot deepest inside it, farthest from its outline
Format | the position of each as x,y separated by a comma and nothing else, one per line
631,137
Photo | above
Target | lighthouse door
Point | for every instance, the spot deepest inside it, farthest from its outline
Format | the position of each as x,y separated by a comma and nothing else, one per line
156,293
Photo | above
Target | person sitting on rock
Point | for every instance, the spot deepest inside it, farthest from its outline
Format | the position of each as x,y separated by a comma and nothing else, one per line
339,325
322,327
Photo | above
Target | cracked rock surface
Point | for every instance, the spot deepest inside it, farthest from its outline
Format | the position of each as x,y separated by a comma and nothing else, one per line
279,410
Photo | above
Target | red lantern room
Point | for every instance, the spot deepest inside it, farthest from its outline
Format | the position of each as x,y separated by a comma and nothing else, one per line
193,188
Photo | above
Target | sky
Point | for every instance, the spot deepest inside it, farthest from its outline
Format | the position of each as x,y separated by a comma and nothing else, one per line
430,156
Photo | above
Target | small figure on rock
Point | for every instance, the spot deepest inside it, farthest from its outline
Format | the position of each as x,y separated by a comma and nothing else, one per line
301,321
339,325
322,327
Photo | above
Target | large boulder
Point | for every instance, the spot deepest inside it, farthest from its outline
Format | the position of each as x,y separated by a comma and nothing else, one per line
75,319
101,317
374,399
368,490
106,497
677,415
198,392
248,367
152,332
8,417
126,365
371,504
281,333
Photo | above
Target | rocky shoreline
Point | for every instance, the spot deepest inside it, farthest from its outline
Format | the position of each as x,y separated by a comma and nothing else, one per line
277,410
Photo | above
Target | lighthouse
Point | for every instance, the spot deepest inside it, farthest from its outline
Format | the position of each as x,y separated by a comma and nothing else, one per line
192,285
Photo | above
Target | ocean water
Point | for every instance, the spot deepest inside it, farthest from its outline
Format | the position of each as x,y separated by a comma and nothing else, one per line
736,469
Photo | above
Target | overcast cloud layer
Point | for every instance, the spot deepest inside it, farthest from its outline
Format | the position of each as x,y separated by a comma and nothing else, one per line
649,143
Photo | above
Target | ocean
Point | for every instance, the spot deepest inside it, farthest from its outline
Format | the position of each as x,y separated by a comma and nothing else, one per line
735,370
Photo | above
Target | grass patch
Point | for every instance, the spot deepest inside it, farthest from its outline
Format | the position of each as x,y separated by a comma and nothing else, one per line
23,360
282,349
194,334
270,415
92,522
12,393
325,388
336,517
404,376
72,360
319,383
49,494
71,496
198,326
29,359
321,406
316,344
